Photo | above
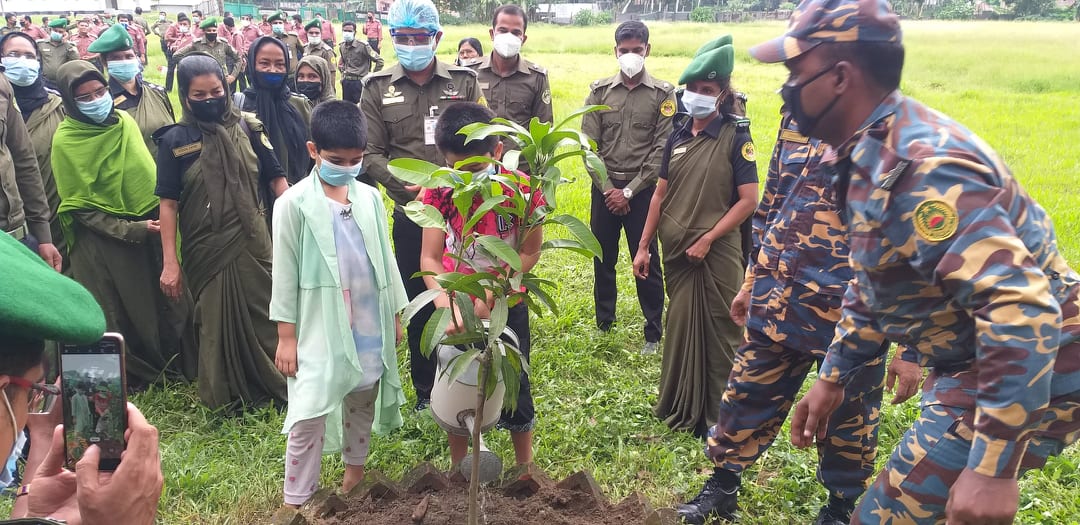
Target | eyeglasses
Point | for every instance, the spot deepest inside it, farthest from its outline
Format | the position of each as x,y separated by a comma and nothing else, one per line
96,94
16,54
41,394
422,39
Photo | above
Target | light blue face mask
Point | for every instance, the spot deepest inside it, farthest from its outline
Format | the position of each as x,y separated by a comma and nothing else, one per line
697,105
21,71
414,58
96,110
335,175
56,37
124,70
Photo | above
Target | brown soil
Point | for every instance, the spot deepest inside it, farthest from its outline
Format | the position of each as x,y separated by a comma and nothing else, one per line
550,506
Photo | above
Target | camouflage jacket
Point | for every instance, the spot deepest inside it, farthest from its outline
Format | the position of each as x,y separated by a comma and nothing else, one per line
951,256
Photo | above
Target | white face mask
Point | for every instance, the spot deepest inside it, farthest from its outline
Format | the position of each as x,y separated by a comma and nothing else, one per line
507,45
699,106
631,64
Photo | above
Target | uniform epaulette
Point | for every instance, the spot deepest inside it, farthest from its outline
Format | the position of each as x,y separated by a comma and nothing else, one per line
52,91
253,121
462,69
741,123
154,86
161,132
741,96
538,68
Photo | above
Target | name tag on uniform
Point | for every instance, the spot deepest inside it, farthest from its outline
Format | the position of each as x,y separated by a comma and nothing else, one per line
483,85
792,136
678,151
429,130
386,101
119,100
187,150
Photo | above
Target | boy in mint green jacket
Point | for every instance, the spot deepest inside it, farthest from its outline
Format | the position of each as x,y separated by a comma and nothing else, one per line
337,296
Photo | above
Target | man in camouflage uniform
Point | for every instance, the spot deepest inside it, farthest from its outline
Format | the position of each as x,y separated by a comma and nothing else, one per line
357,58
790,303
402,104
219,49
950,257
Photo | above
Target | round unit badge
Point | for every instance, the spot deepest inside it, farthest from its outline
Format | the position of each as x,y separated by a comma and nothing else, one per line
935,220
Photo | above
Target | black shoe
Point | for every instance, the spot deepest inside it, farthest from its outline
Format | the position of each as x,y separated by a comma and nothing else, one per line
421,404
605,326
714,500
837,512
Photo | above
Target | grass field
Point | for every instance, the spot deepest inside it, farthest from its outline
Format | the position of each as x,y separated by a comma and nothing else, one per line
1015,84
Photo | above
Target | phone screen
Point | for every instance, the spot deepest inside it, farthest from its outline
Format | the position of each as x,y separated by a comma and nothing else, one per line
95,405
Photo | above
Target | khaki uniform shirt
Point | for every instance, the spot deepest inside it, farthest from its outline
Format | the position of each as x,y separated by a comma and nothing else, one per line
399,112
356,59
519,97
324,51
160,27
630,136
295,49
220,50
55,55
22,195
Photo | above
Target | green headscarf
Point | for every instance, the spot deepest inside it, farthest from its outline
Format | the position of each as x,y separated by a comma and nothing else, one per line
102,167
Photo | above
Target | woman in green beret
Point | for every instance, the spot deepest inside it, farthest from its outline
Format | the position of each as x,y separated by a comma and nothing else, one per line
311,80
707,190
108,213
209,169
147,103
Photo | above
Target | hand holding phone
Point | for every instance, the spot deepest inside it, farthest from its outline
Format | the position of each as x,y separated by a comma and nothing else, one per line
95,397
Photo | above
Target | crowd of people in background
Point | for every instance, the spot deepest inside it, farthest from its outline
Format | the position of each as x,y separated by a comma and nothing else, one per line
244,245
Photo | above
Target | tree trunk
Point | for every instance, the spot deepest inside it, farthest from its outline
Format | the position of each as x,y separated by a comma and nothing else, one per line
478,422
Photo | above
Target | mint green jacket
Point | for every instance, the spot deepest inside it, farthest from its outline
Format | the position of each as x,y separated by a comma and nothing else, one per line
307,292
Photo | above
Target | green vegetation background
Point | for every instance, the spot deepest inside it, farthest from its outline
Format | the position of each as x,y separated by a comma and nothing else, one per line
1015,84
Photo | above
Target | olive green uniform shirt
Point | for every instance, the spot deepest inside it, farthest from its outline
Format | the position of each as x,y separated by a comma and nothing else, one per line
219,49
160,27
55,55
356,59
150,108
324,51
398,111
630,135
519,97
295,48
22,194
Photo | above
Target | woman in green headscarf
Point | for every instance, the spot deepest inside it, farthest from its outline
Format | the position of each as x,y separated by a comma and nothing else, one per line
108,213
313,79
210,167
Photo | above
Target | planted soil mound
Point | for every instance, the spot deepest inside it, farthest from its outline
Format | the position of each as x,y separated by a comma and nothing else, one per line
549,506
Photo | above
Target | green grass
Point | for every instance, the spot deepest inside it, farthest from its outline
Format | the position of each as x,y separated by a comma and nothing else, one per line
1015,84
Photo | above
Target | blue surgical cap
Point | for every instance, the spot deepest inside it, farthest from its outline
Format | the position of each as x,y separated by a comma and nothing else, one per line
417,14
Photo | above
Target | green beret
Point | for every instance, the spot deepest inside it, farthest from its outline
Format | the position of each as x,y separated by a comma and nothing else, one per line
710,65
721,41
278,16
115,38
209,22
59,22
37,303
314,23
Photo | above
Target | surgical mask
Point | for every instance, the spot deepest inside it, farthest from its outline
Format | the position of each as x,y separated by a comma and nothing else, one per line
56,37
414,58
195,20
279,29
349,36
184,29
209,110
631,64
210,37
792,95
96,110
311,90
469,61
245,23
698,105
271,79
507,45
124,70
335,175
161,17
21,71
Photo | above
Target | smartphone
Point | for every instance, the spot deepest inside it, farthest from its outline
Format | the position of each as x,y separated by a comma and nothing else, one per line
95,400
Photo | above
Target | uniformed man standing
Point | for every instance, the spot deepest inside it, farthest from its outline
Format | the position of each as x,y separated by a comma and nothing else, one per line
137,36
328,35
56,51
515,89
292,43
373,31
147,103
210,44
950,256
140,21
160,26
24,210
82,40
402,104
630,137
356,59
12,25
318,47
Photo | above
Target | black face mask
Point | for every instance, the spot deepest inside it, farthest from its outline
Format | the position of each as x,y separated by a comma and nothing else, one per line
209,110
311,90
792,95
211,37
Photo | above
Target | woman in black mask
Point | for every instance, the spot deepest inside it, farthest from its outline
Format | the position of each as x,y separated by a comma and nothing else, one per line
285,114
210,167
313,79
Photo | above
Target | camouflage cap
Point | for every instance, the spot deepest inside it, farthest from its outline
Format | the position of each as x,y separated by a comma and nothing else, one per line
819,21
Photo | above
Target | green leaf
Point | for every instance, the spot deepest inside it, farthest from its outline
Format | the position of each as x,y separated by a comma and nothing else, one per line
579,112
538,130
471,284
499,315
468,315
434,330
492,379
511,159
475,159
594,163
566,244
467,338
503,251
538,291
480,131
423,299
489,204
460,364
581,231
553,140
414,171
424,215
514,125
511,380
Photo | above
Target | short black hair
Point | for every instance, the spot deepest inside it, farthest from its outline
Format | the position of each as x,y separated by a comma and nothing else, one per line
124,16
349,23
138,10
338,124
632,29
883,62
228,21
512,10
473,43
196,12
458,116
18,356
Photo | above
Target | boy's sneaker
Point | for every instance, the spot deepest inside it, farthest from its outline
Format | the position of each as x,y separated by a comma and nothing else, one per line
421,404
714,500
837,512
650,348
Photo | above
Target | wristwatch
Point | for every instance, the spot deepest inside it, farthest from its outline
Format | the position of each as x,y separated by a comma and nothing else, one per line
628,193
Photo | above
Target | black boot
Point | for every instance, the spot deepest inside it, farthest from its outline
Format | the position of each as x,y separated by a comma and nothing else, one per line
837,512
718,498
